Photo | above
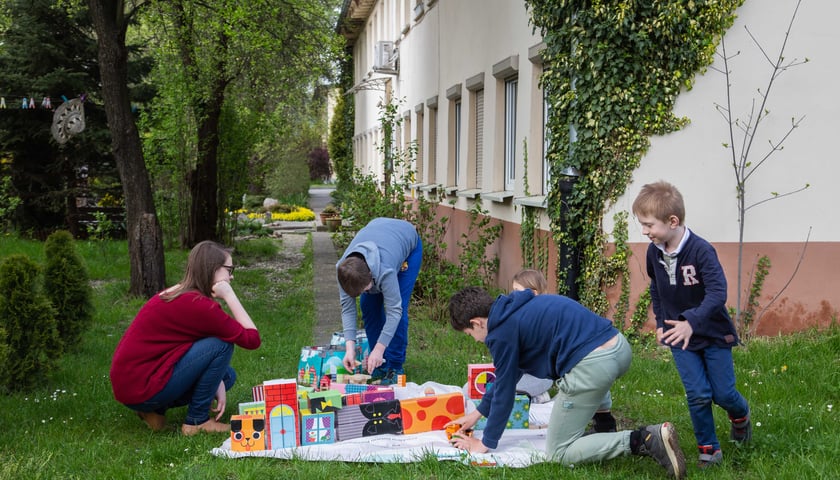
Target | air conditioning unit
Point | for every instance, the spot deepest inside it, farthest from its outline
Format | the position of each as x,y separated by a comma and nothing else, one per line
384,57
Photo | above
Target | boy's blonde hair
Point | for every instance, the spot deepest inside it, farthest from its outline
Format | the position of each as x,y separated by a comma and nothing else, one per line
532,279
660,200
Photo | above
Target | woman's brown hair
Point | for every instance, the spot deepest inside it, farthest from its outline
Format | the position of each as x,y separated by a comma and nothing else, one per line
205,258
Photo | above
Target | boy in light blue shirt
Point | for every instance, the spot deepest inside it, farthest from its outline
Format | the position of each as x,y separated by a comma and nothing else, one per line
380,267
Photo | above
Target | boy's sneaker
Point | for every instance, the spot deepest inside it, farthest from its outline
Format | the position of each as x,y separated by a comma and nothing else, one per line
709,456
741,429
662,444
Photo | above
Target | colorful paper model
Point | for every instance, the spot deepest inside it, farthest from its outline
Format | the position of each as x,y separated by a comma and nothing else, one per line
480,378
362,344
357,388
303,400
317,428
368,419
377,395
316,362
252,408
258,394
247,433
325,401
281,406
519,416
425,414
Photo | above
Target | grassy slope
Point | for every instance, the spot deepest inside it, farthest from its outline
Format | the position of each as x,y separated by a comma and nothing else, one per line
72,427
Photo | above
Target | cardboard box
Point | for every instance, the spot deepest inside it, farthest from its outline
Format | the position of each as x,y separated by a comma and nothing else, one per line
368,419
519,416
317,428
426,414
282,413
325,401
252,408
247,433
480,378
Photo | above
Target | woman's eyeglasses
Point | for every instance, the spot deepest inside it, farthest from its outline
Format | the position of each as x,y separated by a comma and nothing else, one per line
230,268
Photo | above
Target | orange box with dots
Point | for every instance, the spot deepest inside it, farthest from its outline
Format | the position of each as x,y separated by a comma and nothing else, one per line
426,414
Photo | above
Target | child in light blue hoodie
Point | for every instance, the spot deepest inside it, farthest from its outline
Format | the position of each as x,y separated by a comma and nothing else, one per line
380,267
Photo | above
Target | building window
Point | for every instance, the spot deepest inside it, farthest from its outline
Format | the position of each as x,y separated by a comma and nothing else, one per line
546,144
510,132
457,133
420,143
479,139
431,164
410,159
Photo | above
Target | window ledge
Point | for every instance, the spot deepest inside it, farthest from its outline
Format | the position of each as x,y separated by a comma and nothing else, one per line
451,190
536,201
417,185
469,193
430,187
498,196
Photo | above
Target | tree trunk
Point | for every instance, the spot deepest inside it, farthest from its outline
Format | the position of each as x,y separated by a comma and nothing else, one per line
204,182
145,238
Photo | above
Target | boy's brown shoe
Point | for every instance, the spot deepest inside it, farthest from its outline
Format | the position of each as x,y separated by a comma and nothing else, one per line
155,421
210,426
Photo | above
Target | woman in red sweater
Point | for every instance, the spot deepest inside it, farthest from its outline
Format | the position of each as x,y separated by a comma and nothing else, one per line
177,351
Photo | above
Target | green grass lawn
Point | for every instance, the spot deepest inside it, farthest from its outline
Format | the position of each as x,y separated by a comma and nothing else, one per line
73,428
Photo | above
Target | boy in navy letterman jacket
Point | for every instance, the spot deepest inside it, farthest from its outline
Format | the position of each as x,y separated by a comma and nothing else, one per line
688,293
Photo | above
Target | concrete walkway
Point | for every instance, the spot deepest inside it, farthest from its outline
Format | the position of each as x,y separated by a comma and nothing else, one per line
327,307
324,258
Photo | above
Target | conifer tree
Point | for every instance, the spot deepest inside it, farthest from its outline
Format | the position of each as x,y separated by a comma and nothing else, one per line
47,52
66,285
29,320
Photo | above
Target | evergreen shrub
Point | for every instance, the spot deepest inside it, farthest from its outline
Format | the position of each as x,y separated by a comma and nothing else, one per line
66,284
29,320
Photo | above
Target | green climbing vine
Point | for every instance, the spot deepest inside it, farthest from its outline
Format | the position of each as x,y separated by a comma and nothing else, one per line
534,246
612,71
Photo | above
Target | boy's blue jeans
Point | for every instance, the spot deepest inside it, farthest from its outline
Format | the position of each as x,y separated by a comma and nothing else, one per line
194,381
708,376
373,311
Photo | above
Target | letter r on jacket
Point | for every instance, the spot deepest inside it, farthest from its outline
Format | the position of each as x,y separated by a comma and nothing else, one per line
689,275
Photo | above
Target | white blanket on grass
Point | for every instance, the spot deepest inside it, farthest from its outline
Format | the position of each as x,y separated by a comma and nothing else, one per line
517,448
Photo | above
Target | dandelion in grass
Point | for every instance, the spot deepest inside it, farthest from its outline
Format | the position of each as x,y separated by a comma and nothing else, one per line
830,406
757,424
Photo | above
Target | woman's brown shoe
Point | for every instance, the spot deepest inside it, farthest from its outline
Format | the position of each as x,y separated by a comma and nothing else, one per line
155,421
210,426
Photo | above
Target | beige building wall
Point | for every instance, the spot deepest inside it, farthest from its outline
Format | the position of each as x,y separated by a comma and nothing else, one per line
462,52
803,285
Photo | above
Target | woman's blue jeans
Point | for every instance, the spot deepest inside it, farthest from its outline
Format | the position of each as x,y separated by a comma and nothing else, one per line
194,381
373,311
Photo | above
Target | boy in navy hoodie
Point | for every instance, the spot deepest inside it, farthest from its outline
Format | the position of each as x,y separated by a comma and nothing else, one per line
688,293
551,336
